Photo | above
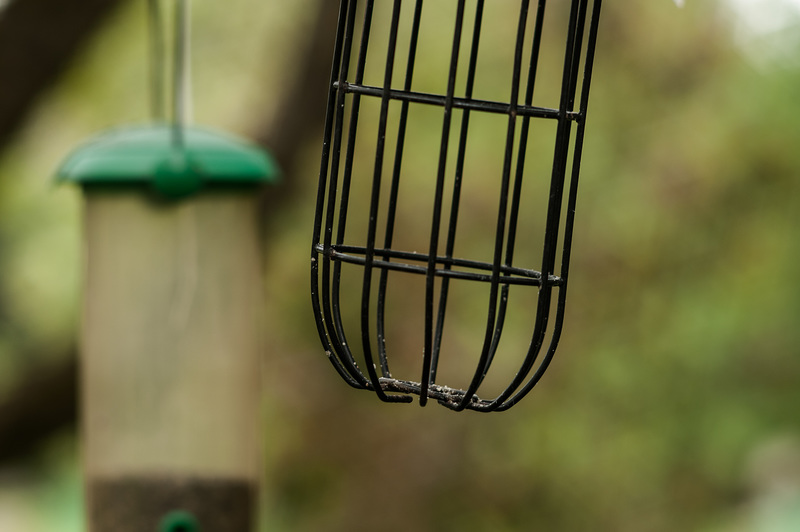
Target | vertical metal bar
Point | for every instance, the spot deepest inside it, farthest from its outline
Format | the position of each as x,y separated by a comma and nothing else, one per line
526,122
571,205
437,207
369,255
456,199
395,190
320,202
491,322
519,174
577,51
333,326
568,85
560,156
346,178
337,323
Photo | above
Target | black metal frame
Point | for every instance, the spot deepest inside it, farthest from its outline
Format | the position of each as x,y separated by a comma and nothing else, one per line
329,251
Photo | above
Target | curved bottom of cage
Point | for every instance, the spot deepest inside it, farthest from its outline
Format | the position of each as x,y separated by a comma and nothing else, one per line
449,397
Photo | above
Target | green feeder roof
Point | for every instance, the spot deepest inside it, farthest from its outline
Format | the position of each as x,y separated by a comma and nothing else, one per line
174,165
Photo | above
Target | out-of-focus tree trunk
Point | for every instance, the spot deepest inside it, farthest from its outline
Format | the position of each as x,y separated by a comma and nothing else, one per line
301,113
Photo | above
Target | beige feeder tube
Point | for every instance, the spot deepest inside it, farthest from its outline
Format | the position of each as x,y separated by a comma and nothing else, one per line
171,361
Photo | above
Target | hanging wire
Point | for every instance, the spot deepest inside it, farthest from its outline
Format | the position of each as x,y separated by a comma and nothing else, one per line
180,83
180,73
157,53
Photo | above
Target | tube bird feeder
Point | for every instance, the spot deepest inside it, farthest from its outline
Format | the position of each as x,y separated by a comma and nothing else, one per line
170,340
382,174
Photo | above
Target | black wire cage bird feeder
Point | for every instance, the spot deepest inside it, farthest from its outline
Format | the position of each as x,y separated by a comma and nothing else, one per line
390,106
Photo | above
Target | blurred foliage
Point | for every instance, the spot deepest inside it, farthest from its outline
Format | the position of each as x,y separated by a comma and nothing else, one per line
672,403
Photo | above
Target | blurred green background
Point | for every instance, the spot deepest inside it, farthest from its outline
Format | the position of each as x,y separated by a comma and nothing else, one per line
673,402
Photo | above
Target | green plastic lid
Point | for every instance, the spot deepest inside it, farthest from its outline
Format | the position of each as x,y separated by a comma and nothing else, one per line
151,155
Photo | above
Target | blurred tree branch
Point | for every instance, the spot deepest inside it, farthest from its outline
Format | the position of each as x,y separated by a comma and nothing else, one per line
38,39
45,402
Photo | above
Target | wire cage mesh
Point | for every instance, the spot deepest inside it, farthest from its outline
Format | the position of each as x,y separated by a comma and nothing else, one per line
447,194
